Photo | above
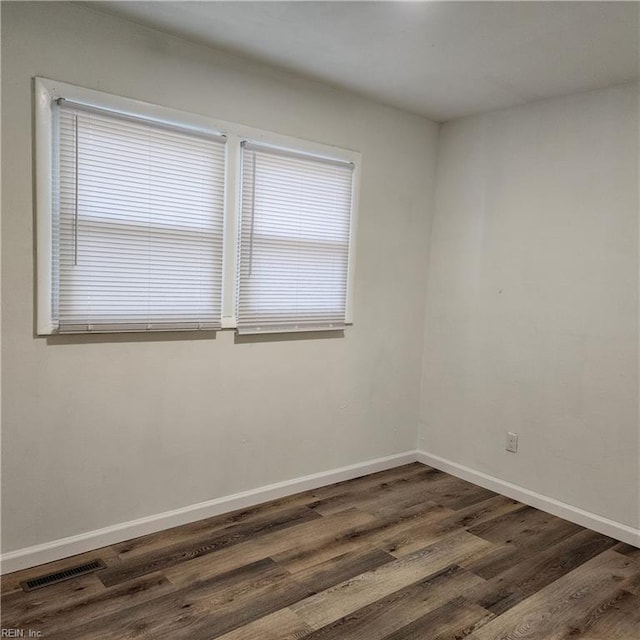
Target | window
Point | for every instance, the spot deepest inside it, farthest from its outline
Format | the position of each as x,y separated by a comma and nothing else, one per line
137,240
152,219
294,241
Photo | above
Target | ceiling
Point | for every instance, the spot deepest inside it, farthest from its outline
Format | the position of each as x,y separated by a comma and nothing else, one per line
442,60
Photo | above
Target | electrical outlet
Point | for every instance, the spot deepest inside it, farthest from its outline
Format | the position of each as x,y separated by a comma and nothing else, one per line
512,442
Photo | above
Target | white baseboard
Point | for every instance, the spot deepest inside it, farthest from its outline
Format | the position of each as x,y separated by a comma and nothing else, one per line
65,547
91,540
587,519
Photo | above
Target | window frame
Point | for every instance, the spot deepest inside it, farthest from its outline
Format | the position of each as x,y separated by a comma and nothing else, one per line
46,91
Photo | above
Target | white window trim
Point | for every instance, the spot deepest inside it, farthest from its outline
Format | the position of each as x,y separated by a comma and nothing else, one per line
47,91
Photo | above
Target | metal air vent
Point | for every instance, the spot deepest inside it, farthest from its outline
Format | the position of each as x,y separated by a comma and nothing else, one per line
60,576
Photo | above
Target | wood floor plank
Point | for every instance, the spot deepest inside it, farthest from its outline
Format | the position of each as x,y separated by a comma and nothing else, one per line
423,534
462,497
380,531
398,609
537,571
476,514
231,596
346,597
375,495
456,493
165,558
81,612
365,482
499,559
555,610
617,619
202,528
397,501
633,584
452,621
270,545
19,607
281,625
627,550
212,619
525,527
517,535
326,574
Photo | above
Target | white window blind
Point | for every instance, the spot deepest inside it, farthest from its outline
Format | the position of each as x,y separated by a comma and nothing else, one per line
293,256
137,224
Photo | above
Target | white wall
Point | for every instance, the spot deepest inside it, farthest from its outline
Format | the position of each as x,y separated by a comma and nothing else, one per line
532,302
101,431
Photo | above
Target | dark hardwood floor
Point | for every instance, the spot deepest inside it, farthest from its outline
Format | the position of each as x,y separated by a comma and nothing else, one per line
406,554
